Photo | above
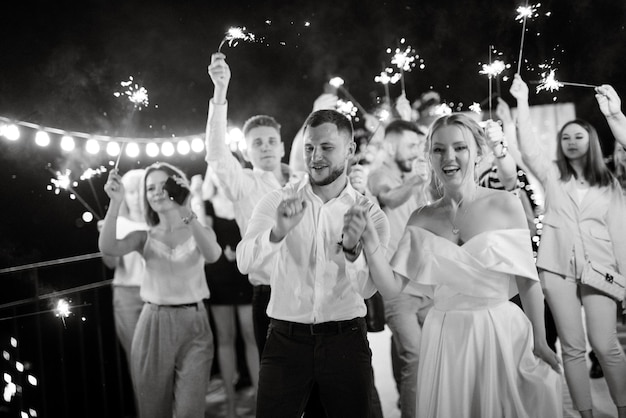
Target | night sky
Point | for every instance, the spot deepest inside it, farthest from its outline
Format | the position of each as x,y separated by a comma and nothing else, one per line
61,62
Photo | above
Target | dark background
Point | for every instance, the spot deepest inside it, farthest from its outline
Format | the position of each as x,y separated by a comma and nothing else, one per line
61,61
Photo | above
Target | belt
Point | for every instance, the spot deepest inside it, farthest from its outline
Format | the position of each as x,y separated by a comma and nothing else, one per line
182,305
322,328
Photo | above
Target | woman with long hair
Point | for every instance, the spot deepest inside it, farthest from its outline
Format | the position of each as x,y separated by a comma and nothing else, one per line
583,221
172,347
481,355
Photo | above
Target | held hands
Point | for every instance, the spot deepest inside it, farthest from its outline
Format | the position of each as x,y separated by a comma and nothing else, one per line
288,214
608,101
519,89
544,352
114,187
220,75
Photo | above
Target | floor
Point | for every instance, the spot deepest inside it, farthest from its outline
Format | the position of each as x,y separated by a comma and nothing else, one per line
380,345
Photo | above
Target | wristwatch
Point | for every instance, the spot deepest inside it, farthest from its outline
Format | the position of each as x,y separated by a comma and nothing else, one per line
353,251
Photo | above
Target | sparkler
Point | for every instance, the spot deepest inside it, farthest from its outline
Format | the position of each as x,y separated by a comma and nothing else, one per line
385,78
475,107
63,181
337,82
234,34
549,82
524,13
347,108
119,156
136,94
405,60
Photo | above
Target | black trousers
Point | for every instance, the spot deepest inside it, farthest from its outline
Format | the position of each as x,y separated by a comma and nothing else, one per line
260,320
335,356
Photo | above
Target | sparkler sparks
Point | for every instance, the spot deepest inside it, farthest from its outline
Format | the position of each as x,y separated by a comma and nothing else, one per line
475,107
235,34
494,69
527,12
337,82
63,181
550,83
387,76
347,108
136,94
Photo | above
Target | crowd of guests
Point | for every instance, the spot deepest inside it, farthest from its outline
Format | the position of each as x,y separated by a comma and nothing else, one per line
437,224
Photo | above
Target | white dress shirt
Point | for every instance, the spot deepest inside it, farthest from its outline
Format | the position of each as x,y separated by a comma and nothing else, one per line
243,186
311,280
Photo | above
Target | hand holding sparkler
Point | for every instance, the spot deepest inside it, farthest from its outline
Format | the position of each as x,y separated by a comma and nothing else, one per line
114,187
519,90
220,75
234,34
609,102
611,107
495,138
403,107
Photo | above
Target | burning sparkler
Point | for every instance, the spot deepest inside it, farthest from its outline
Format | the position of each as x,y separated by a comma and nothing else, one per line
475,107
337,82
523,14
405,60
234,35
136,94
347,108
549,82
63,181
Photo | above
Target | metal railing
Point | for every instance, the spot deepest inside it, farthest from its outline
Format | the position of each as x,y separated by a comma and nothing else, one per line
55,364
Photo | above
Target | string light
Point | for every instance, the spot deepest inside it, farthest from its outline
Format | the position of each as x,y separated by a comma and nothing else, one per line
67,143
42,139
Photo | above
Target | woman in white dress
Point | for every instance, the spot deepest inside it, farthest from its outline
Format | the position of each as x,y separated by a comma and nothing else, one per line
481,356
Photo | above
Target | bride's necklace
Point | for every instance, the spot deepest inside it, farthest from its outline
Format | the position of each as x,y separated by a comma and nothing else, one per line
455,227
455,214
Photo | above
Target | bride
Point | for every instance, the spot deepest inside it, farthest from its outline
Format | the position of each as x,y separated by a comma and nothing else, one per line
481,356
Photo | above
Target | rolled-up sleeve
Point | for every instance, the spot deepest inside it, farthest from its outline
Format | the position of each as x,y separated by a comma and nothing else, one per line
255,252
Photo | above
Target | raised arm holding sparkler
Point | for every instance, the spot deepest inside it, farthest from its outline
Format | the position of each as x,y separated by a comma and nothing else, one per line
611,107
532,150
174,288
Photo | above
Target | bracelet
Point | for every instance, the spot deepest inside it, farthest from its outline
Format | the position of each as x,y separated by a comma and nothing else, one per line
187,219
503,152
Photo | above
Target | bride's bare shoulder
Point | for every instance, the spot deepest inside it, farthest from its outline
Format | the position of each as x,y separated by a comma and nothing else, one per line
426,215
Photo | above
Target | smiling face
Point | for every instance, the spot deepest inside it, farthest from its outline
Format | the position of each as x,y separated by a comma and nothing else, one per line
409,146
264,148
574,141
326,153
156,196
452,154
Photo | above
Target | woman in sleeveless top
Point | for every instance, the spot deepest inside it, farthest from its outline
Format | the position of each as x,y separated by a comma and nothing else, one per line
172,349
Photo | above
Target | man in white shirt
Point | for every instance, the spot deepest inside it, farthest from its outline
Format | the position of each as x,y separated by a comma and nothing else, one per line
307,237
401,186
245,187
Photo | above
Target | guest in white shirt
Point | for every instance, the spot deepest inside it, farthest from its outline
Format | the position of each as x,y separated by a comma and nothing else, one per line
243,186
306,239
